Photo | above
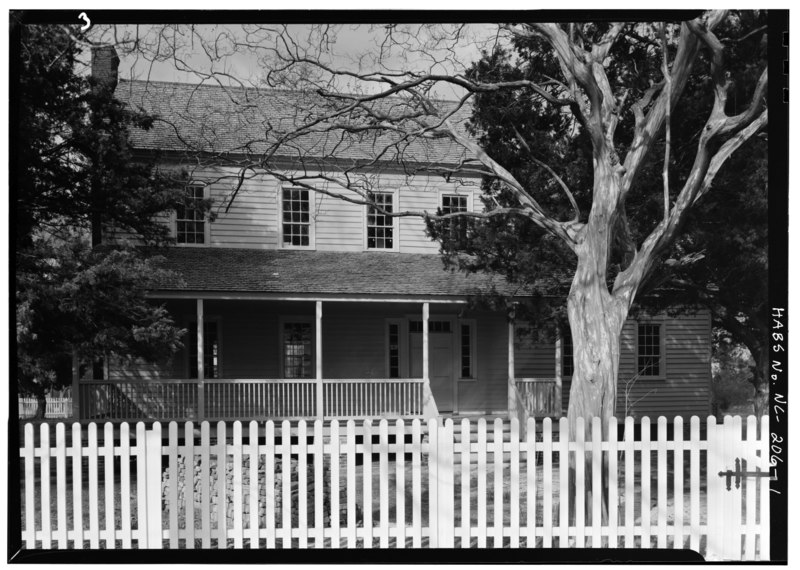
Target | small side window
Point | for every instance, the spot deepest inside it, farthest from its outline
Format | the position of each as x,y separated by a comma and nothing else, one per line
649,349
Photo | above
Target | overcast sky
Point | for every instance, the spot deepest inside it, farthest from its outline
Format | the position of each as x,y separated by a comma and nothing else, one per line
220,50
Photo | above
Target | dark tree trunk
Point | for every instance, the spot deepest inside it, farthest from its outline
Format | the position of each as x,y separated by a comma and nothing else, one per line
760,381
41,406
28,385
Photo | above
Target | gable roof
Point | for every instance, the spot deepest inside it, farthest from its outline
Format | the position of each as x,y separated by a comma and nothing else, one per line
319,272
236,120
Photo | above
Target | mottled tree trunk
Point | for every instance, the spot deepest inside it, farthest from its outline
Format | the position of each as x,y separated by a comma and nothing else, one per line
595,323
596,318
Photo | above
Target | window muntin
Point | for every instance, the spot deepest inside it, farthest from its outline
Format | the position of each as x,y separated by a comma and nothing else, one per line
296,219
297,350
211,350
649,349
190,222
380,227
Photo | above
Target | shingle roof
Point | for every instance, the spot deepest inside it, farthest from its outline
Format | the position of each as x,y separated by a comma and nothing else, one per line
214,119
319,272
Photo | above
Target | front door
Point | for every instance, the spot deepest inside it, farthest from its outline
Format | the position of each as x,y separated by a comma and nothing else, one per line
440,365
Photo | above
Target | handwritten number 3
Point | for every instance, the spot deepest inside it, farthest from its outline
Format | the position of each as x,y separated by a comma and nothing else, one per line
85,18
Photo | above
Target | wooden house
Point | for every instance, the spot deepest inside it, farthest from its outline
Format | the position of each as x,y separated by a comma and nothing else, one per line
302,305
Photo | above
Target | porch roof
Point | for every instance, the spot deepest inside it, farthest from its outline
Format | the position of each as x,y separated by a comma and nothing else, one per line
320,272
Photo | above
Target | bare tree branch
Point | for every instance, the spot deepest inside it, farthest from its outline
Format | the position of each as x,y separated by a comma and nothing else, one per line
561,183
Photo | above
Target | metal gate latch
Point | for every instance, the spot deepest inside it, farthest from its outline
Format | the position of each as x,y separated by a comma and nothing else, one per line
739,473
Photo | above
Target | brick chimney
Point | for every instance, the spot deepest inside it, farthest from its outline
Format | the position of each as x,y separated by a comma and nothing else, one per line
105,64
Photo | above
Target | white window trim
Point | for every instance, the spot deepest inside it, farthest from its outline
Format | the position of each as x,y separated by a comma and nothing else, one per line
395,225
312,237
206,221
662,364
296,319
473,341
192,319
402,345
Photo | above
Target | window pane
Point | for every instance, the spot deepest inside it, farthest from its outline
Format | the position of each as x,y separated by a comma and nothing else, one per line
394,351
466,351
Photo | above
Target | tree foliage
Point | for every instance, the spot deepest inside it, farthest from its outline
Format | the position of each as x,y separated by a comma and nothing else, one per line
75,175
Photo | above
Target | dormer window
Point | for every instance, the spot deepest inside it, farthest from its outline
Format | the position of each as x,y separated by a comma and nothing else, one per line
190,220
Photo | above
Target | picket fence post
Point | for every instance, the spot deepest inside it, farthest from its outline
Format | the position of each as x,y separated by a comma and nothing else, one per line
149,489
446,462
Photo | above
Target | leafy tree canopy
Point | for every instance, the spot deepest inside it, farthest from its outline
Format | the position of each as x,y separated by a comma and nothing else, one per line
75,178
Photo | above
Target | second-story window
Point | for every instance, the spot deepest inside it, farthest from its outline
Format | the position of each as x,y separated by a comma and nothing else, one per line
296,217
451,204
380,227
190,220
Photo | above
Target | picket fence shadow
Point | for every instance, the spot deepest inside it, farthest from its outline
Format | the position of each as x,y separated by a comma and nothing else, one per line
397,485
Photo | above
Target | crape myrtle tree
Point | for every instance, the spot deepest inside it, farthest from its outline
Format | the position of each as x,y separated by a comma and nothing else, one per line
720,260
73,178
619,113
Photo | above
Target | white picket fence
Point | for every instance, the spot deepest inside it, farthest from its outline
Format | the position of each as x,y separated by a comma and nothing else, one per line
396,485
54,407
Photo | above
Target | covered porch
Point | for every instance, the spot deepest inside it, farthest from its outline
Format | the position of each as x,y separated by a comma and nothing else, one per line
333,358
282,334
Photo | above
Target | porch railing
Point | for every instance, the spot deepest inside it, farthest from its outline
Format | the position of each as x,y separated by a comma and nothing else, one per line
250,399
395,398
54,407
541,397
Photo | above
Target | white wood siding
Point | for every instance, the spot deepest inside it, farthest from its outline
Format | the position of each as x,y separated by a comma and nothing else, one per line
254,218
684,391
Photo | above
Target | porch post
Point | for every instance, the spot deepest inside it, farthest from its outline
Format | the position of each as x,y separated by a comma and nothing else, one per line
318,359
512,381
201,400
429,409
425,341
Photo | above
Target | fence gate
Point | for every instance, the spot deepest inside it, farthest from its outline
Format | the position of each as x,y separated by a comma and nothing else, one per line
738,490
